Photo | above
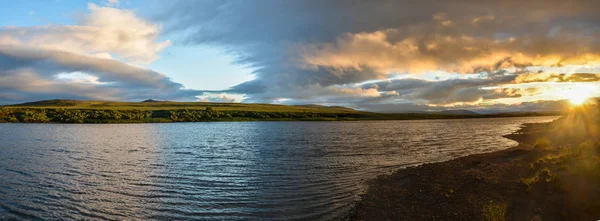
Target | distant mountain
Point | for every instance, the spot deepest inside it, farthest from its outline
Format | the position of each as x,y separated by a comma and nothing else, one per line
55,103
331,108
458,112
152,101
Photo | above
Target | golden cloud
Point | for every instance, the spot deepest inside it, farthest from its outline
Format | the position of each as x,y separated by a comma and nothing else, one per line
429,47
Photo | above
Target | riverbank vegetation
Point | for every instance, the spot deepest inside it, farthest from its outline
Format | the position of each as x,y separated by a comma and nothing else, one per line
71,111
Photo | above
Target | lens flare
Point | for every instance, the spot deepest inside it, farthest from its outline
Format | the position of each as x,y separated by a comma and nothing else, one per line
579,95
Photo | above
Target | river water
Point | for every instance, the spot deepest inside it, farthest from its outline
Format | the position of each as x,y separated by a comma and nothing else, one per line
220,170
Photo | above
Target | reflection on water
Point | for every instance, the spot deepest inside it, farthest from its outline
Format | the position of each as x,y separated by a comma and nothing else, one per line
220,171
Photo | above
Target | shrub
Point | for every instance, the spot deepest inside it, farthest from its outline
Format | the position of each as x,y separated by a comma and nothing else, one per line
32,116
494,211
542,144
7,116
531,180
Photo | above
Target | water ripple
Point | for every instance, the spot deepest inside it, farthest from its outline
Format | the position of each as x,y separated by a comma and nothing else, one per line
219,171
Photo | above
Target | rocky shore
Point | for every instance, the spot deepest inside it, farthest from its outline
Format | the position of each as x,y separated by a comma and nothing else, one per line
553,174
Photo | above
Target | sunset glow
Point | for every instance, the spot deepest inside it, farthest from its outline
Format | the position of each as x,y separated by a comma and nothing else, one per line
579,95
285,109
427,57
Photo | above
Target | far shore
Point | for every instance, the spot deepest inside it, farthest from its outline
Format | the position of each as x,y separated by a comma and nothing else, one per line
105,112
553,174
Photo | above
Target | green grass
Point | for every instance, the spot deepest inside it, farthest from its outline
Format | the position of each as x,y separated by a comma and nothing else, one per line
168,105
562,166
530,181
494,211
74,111
542,143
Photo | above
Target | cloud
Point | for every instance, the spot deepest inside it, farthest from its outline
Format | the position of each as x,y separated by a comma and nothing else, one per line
448,92
325,51
419,48
33,74
404,54
534,106
104,32
553,77
27,84
112,2
217,98
98,59
482,19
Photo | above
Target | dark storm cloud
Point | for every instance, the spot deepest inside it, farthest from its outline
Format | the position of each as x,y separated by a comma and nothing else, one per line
313,51
535,106
33,74
449,91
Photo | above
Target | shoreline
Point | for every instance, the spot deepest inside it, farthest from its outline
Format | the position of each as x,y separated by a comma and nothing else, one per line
398,117
468,187
104,112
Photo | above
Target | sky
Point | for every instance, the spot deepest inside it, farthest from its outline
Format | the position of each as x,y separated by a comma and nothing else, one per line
383,56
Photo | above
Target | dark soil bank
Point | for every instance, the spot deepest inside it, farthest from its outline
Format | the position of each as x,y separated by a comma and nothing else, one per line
551,175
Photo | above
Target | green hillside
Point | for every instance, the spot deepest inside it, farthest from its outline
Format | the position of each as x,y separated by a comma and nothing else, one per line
170,105
150,111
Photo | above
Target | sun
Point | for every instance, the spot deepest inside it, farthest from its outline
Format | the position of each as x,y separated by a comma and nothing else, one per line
578,95
578,100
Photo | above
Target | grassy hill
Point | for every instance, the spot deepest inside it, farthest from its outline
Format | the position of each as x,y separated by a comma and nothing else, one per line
170,105
151,111
459,112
